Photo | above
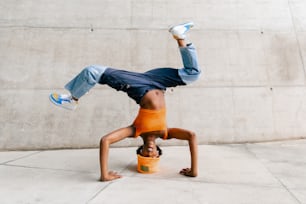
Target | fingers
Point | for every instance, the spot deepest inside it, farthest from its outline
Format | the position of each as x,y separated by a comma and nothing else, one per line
112,175
183,171
187,172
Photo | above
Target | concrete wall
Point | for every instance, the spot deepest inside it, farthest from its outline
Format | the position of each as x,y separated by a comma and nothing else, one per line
252,51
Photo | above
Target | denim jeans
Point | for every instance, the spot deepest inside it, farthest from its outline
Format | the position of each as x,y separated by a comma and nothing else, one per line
91,75
191,70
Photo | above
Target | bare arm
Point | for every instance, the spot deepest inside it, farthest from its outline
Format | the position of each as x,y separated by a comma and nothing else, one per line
105,142
182,134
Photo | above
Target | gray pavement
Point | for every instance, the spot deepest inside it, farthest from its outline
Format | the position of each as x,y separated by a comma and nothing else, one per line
244,173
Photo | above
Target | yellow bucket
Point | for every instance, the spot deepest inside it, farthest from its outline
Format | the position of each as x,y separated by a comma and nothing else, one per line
147,165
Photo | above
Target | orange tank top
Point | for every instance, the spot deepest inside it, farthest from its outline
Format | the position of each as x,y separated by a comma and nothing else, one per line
151,120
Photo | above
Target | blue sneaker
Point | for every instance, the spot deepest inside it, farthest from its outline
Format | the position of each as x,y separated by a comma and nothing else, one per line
64,101
179,31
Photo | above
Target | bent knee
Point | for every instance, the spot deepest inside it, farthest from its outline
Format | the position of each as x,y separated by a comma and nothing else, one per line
188,78
95,69
94,72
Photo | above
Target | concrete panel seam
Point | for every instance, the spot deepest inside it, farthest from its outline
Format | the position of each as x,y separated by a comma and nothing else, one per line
12,160
101,190
278,180
297,38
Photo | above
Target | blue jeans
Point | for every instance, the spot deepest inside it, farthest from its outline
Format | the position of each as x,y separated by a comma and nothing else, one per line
130,82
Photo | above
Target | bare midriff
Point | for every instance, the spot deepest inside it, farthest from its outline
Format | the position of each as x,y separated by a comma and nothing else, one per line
153,100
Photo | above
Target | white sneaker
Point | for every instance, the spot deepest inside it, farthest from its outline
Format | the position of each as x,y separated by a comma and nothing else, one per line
64,101
179,31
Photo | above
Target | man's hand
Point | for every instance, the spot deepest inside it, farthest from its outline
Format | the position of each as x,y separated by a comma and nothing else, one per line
188,172
112,175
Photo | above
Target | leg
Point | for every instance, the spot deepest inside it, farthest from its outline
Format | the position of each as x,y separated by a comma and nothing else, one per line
105,142
191,71
78,86
85,80
170,77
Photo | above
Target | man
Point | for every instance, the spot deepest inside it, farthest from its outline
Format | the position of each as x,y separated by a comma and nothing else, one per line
147,89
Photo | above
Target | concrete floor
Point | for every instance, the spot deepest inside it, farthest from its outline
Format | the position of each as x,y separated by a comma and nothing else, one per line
248,173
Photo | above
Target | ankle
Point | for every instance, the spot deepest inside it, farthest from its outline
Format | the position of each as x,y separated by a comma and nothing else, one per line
181,42
73,98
